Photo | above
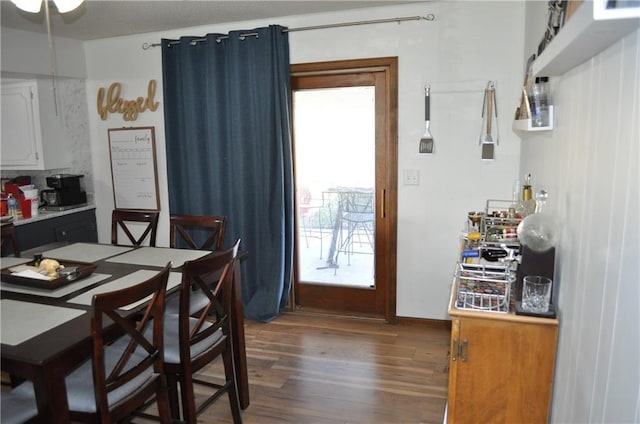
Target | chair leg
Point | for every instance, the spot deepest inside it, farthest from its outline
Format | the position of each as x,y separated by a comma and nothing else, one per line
172,390
188,398
232,390
162,399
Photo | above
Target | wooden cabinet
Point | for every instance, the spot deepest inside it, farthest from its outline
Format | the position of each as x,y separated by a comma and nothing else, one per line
32,132
501,368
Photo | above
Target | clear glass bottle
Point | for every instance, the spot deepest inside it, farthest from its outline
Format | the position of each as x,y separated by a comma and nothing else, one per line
539,231
12,206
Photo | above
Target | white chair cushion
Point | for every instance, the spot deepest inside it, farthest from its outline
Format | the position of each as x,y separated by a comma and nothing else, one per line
18,405
172,341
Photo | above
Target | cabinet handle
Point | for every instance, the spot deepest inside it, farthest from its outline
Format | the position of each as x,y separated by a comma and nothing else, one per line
454,351
463,350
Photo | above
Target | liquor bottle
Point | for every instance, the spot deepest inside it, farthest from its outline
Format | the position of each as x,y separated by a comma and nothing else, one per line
528,204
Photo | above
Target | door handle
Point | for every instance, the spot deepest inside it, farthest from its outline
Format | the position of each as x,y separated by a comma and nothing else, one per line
383,203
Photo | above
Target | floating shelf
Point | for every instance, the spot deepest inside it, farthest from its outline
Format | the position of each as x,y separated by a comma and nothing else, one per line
590,30
521,126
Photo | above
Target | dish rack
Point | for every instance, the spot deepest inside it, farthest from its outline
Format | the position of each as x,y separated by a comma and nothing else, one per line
484,287
496,226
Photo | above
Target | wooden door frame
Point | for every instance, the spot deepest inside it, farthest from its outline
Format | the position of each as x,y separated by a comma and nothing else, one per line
386,196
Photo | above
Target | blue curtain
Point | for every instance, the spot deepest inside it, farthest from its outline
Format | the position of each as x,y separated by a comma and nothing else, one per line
227,104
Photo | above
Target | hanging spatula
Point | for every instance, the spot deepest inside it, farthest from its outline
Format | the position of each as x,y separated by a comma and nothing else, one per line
487,141
426,142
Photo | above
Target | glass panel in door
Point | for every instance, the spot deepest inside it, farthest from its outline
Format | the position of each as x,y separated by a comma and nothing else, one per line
335,181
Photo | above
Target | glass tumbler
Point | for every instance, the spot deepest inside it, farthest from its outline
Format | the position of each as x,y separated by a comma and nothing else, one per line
536,293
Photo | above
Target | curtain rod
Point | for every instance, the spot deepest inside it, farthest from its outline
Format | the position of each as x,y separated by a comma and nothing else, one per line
429,17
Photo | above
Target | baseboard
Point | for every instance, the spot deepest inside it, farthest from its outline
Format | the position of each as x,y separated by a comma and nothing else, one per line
424,322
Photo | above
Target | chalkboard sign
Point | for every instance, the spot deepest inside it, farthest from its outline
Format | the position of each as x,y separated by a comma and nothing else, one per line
133,168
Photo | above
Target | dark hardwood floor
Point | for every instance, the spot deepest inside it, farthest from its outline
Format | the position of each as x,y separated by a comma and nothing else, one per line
323,369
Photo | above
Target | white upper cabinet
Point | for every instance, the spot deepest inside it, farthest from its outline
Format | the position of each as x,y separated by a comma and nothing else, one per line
32,132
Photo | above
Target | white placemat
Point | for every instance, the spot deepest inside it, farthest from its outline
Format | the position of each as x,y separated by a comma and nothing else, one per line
159,256
24,320
126,281
62,291
85,252
11,261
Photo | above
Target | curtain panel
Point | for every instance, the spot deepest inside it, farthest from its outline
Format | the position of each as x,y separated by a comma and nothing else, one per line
227,105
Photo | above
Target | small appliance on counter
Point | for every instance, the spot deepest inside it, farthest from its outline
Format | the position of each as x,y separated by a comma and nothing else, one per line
65,192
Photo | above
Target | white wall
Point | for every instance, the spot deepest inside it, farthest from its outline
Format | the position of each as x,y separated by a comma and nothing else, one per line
590,166
467,45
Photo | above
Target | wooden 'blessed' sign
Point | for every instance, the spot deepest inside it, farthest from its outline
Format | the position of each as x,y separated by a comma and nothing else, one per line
109,101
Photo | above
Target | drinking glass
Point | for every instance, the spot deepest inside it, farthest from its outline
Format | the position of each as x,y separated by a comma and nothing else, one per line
536,293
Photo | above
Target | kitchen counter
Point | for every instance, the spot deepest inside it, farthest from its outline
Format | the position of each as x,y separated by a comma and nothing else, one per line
72,225
44,214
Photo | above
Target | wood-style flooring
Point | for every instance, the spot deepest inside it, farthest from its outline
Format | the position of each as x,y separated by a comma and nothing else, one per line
326,369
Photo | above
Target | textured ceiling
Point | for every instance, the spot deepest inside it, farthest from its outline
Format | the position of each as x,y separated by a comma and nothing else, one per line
103,19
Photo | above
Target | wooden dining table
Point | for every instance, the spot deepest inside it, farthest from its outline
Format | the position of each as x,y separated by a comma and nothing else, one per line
46,333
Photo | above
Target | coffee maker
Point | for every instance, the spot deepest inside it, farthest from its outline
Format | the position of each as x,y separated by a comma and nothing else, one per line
65,192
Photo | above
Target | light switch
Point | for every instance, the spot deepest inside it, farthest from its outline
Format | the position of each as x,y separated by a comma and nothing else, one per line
411,177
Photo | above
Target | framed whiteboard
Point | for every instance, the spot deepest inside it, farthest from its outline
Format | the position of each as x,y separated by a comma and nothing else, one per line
133,168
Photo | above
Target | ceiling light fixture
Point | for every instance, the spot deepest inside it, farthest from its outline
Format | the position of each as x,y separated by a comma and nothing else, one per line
34,6
64,6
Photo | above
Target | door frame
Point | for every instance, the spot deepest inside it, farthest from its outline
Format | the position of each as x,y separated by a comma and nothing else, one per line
386,196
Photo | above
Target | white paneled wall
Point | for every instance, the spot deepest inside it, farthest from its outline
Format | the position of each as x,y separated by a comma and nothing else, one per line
590,166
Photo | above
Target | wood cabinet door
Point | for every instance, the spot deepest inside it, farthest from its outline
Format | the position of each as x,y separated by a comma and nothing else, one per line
503,372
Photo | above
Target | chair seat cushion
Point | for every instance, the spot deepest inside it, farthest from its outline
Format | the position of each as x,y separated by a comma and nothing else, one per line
197,301
172,340
80,387
19,405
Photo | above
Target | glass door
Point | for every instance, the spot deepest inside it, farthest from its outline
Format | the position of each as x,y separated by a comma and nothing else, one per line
335,178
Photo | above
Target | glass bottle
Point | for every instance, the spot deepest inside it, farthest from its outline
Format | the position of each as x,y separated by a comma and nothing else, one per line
528,204
539,231
516,207
12,206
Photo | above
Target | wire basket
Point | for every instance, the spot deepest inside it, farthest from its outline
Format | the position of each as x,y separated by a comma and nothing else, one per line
484,287
497,227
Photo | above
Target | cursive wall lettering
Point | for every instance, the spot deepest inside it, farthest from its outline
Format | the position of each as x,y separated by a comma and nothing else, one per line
129,109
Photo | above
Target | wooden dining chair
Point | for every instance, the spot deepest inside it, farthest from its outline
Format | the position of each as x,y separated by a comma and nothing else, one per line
126,365
210,228
194,340
122,218
9,237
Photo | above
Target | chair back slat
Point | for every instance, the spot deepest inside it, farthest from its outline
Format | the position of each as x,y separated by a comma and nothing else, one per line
186,229
120,218
9,237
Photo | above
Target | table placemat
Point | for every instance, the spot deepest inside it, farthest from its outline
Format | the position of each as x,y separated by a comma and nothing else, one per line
127,281
24,320
159,256
11,261
86,252
62,291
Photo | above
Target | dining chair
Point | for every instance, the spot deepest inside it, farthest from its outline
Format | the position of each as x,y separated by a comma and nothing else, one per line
357,222
194,340
9,237
198,299
211,228
122,218
126,365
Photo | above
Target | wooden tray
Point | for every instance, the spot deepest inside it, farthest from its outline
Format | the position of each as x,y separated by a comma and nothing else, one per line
84,270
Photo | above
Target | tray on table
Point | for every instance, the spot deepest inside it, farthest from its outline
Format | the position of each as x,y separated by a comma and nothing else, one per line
84,269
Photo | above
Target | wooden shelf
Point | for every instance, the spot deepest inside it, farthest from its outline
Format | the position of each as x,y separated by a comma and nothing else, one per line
521,126
590,30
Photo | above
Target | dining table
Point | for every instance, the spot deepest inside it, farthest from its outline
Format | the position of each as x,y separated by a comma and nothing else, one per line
45,332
